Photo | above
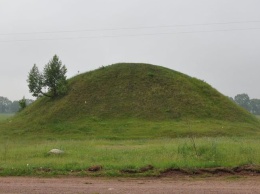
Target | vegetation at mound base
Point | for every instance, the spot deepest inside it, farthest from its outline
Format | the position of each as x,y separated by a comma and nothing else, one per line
135,101
23,157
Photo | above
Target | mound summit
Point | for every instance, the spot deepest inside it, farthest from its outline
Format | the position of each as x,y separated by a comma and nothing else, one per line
133,90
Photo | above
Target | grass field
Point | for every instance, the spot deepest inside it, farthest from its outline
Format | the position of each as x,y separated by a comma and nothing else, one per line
258,116
29,156
131,144
26,152
5,116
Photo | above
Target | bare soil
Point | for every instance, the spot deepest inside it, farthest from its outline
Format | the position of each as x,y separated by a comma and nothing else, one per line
175,184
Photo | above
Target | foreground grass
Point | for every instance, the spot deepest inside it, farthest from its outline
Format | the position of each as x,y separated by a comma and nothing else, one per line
125,144
30,157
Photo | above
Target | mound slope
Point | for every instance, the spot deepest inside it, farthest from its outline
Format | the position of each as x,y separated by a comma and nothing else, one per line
140,91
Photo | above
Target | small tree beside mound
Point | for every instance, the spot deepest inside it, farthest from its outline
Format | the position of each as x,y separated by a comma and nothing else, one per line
22,104
53,79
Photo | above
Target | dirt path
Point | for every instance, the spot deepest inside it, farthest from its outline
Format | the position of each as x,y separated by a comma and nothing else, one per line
183,185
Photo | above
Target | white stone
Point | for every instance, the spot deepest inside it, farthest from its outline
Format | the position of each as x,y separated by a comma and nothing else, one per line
56,151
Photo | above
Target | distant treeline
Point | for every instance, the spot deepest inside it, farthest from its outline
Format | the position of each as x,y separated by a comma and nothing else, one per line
252,105
8,106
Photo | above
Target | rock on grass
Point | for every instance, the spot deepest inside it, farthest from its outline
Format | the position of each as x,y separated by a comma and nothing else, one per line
56,151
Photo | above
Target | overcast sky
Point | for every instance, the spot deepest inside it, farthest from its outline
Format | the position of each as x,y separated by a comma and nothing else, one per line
217,41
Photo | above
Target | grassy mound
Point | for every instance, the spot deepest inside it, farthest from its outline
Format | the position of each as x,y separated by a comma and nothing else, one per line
136,99
126,118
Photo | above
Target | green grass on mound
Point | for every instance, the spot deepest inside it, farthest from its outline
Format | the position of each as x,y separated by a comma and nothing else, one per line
135,99
125,129
138,91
